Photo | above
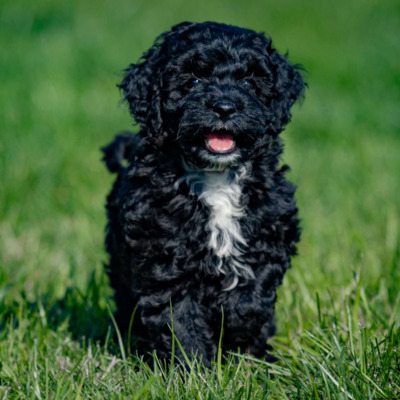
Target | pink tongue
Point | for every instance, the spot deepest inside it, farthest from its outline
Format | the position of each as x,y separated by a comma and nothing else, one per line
220,142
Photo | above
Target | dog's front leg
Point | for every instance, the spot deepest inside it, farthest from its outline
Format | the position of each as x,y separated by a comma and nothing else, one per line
181,324
249,318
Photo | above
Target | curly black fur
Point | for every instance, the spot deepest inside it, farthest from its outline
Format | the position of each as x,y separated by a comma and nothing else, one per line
194,231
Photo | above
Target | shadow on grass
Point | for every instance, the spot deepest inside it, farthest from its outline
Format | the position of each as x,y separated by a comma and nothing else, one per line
86,312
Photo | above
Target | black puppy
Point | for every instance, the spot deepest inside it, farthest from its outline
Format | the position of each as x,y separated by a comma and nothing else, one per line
202,221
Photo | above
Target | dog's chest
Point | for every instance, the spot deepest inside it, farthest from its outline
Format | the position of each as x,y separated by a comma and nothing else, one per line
222,197
221,193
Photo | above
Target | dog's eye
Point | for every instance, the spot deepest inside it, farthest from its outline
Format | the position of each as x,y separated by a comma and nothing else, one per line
192,82
247,82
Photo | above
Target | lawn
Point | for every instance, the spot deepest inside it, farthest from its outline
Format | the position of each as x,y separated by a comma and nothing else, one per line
338,310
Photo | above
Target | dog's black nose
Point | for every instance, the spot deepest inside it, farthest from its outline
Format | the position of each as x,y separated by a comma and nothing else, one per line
224,108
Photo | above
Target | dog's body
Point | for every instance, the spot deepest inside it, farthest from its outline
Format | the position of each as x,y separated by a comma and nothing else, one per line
202,222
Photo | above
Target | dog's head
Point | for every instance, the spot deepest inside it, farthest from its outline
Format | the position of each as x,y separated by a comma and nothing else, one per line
213,91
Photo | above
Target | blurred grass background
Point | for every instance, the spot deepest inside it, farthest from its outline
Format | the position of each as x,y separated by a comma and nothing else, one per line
59,66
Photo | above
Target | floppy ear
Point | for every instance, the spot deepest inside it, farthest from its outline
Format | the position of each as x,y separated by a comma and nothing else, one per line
288,87
142,81
140,87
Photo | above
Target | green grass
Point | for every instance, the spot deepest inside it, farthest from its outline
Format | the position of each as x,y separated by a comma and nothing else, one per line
339,307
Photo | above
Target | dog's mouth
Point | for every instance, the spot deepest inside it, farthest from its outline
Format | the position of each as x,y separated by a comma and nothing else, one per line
220,142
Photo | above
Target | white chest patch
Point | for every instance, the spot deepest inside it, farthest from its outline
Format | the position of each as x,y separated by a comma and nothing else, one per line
221,193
